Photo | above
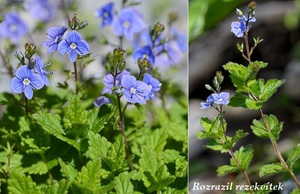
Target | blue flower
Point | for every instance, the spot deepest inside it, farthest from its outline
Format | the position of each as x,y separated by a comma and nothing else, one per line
207,103
41,9
106,14
154,85
108,80
54,35
40,69
134,91
221,98
168,55
73,44
144,52
25,81
129,22
180,39
239,28
13,27
101,101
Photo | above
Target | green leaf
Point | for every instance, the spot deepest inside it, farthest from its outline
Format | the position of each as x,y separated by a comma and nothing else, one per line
98,146
18,183
155,174
260,130
226,169
244,156
89,176
116,156
241,100
270,88
231,141
239,75
67,170
270,169
75,119
51,124
75,112
38,168
123,184
293,156
97,120
60,187
157,140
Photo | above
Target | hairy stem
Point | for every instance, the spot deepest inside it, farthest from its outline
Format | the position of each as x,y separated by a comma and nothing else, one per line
76,77
239,166
277,151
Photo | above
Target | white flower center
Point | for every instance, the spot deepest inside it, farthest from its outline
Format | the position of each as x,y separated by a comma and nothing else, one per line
132,90
145,56
13,28
56,39
126,24
150,86
73,46
26,81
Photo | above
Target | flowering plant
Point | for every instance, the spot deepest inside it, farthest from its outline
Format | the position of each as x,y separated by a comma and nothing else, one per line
251,93
121,129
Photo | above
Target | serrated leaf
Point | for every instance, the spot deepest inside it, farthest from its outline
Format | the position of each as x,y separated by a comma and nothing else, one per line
226,169
240,100
270,169
89,176
244,156
149,160
216,145
97,120
75,119
60,187
75,112
18,183
157,140
116,156
206,123
270,88
293,156
50,123
123,184
239,75
67,170
98,146
38,168
274,126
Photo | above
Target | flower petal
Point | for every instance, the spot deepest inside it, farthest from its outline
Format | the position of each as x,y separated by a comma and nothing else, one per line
16,85
28,92
128,81
73,37
63,47
142,88
24,72
72,55
36,82
82,47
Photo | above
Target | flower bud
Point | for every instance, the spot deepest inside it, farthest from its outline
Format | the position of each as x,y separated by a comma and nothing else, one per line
30,50
239,12
20,57
83,25
144,65
207,86
173,16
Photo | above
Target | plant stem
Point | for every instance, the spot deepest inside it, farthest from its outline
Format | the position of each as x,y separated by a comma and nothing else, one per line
278,153
239,166
76,77
122,126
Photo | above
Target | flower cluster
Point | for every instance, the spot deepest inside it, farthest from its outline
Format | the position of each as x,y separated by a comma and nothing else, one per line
26,78
239,28
148,42
73,44
216,98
